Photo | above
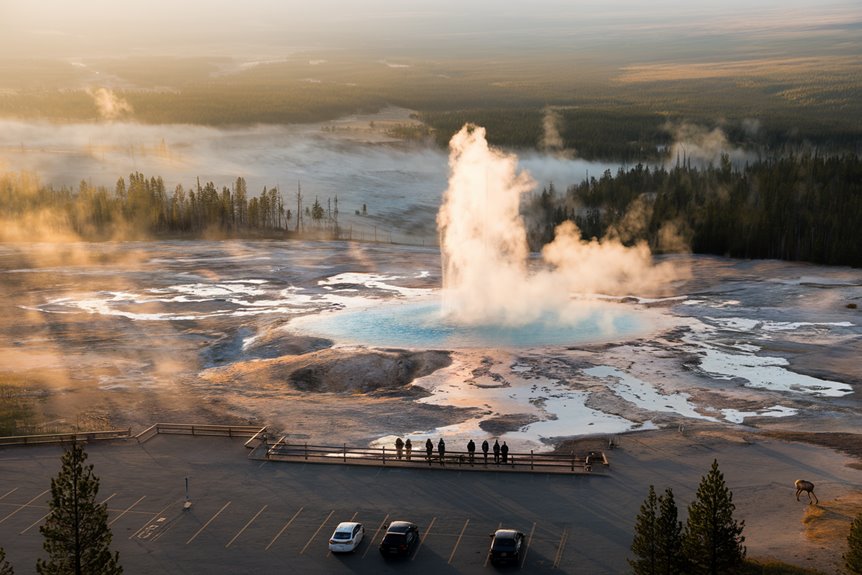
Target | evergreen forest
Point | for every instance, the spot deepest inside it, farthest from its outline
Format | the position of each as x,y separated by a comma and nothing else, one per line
801,207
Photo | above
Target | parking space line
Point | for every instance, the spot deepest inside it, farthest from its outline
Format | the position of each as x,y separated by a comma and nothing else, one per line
563,540
35,523
20,507
41,519
245,527
328,553
217,513
458,542
150,520
283,529
129,508
10,492
422,539
331,513
488,556
527,548
371,543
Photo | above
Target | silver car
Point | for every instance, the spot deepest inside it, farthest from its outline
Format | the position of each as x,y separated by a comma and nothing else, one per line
346,537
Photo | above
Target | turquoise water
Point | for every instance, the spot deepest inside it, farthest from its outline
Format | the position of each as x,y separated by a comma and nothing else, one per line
421,325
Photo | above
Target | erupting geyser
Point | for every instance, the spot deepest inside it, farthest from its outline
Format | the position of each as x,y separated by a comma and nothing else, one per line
483,239
493,294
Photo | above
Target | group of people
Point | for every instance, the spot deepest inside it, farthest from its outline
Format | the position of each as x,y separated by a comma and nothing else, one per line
500,452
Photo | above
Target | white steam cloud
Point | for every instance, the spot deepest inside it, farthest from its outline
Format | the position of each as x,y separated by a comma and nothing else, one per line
552,141
703,147
110,106
486,277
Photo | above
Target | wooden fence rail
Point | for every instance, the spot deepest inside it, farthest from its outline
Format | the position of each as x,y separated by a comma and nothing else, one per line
251,431
282,450
48,438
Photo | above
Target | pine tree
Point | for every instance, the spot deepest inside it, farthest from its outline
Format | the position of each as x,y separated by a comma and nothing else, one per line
669,559
644,544
712,541
77,537
5,567
853,557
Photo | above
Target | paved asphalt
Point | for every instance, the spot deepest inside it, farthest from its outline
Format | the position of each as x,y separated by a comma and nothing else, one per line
258,517
261,517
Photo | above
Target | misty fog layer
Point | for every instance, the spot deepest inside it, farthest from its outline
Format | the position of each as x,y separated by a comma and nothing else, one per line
400,184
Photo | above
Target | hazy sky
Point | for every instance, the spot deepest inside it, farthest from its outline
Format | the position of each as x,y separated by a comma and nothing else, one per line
87,28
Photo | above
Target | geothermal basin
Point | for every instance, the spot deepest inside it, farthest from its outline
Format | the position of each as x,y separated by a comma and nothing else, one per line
424,324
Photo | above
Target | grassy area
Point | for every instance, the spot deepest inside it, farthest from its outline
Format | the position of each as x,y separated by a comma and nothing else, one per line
769,567
18,398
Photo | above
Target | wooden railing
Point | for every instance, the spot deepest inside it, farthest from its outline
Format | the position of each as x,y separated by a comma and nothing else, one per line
48,438
282,450
251,431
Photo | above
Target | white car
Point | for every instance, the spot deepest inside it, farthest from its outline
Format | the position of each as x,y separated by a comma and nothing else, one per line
347,537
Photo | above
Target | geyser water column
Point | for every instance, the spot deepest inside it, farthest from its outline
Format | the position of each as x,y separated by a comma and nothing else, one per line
491,297
482,236
484,247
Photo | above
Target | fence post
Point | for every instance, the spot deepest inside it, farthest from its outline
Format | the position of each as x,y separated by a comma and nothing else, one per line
345,453
573,460
230,431
306,451
384,454
193,429
531,460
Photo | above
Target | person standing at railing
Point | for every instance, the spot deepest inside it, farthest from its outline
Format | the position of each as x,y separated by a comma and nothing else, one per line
408,447
504,451
471,451
485,450
399,446
429,448
441,449
496,451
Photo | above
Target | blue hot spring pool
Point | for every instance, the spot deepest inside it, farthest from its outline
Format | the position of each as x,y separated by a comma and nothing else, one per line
421,325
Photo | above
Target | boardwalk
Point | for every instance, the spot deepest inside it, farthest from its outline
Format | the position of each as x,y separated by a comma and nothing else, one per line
284,450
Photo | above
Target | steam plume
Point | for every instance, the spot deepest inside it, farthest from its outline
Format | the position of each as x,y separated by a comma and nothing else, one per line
702,147
109,105
486,279
552,141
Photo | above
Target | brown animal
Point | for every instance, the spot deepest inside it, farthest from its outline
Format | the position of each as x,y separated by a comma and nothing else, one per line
808,487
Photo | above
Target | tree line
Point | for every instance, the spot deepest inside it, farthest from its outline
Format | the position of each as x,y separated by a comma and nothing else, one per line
143,206
801,207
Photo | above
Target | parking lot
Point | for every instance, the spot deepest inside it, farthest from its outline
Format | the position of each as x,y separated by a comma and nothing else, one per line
270,517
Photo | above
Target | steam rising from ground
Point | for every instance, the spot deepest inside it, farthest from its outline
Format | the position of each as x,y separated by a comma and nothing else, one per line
702,147
552,141
486,277
110,106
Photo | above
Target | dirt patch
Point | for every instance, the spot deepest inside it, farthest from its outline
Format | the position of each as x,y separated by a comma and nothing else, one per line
511,422
337,371
849,443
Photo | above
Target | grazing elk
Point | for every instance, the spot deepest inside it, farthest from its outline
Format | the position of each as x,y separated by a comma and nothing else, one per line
808,487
